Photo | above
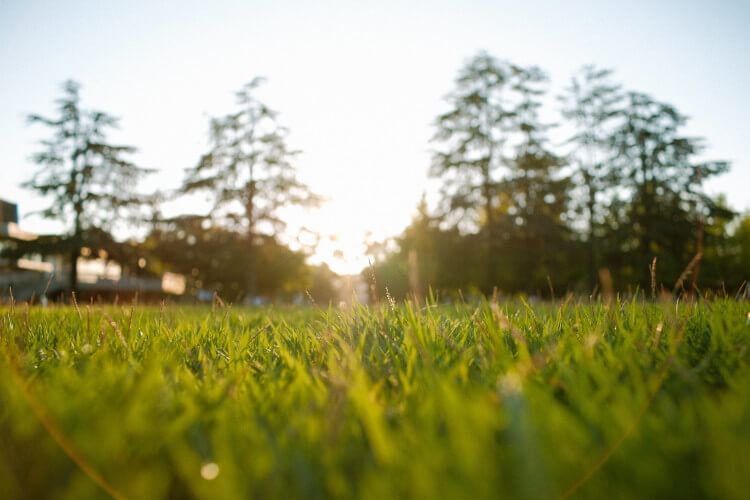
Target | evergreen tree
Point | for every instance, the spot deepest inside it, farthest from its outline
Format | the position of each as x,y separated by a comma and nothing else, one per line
475,133
534,193
88,179
499,175
591,102
248,174
667,207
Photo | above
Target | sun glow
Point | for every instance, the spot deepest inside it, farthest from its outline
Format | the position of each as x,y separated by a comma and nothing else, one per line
345,225
357,90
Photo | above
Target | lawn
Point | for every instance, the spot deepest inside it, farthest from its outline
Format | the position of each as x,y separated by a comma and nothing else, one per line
586,399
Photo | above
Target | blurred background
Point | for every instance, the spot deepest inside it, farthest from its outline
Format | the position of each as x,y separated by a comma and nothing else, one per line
296,152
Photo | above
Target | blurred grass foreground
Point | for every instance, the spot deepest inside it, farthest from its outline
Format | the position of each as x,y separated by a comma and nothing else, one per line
621,399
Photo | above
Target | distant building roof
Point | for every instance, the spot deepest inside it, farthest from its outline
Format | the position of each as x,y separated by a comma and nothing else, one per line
9,229
8,212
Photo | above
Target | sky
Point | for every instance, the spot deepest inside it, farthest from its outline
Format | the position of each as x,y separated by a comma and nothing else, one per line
357,83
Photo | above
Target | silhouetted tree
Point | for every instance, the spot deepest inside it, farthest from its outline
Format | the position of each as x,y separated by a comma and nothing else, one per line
322,287
446,260
664,182
635,175
475,135
591,102
723,264
214,258
248,173
738,253
88,179
534,194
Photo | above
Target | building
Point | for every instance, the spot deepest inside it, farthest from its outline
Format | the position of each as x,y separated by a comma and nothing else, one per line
24,276
35,275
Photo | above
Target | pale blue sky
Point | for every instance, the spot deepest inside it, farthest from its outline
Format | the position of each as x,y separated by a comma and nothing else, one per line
358,83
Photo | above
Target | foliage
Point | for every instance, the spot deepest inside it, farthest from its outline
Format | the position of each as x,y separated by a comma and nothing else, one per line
534,196
323,289
430,246
249,176
248,171
498,175
215,258
516,216
515,212
412,401
663,182
89,180
473,134
591,103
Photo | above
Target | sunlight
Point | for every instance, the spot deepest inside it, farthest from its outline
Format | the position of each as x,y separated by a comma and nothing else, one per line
374,249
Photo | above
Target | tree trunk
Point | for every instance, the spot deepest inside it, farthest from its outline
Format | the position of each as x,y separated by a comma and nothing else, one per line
646,218
76,250
491,250
252,280
699,255
73,273
592,243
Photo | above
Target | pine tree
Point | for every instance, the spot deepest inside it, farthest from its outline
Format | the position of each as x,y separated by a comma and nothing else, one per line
591,102
88,179
499,176
664,182
474,135
248,173
534,193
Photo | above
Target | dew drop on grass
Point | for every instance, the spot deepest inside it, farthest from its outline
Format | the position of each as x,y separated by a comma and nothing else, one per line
209,471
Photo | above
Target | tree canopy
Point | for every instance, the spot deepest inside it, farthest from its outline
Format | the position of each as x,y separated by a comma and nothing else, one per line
89,181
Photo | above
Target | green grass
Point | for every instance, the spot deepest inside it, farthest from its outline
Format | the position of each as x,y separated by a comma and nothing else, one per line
621,400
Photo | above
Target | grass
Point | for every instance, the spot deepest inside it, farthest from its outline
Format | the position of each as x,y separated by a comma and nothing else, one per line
630,399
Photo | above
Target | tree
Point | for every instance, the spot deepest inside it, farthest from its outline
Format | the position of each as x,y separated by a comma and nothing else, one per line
323,289
214,258
474,133
726,253
534,195
664,182
425,256
591,102
740,252
499,175
248,173
89,180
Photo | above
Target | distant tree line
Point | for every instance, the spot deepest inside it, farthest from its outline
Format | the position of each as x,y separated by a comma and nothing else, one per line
622,198
621,201
233,249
